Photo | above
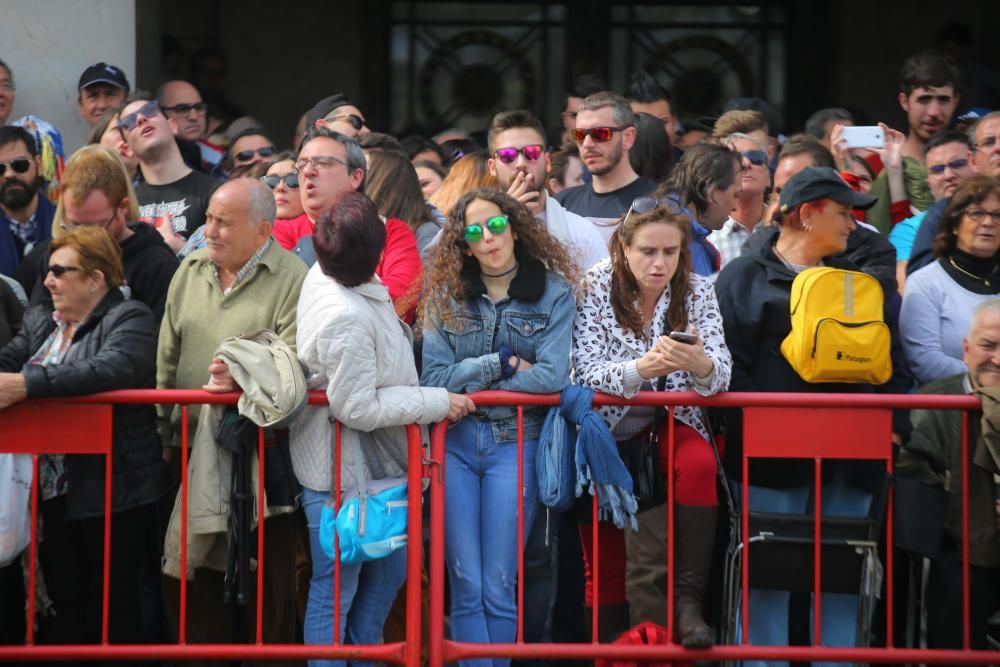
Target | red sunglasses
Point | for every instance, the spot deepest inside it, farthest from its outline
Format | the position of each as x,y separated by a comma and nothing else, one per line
598,134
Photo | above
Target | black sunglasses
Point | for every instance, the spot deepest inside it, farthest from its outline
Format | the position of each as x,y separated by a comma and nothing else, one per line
755,157
244,156
291,181
18,165
356,121
59,271
646,203
198,107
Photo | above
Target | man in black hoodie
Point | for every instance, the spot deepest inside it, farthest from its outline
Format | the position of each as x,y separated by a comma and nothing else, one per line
96,191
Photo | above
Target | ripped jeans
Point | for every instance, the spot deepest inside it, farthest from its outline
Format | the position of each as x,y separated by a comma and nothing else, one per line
481,532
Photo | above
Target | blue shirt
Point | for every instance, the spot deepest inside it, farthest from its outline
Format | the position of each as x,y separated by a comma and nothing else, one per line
12,250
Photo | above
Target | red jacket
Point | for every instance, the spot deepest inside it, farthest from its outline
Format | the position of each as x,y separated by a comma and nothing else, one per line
399,269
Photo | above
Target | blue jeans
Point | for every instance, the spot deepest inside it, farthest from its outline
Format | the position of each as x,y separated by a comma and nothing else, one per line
367,591
769,609
481,532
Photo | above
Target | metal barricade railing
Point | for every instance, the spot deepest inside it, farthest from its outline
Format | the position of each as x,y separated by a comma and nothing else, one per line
83,425
765,407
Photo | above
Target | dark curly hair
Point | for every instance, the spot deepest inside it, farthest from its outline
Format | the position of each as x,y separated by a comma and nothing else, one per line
974,190
449,275
624,286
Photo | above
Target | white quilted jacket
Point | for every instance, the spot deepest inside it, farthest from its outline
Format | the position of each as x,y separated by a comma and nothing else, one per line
356,349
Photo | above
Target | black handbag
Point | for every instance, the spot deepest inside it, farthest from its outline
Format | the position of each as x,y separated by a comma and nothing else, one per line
641,456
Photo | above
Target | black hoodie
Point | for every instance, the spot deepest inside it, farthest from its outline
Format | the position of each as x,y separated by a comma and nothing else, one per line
148,261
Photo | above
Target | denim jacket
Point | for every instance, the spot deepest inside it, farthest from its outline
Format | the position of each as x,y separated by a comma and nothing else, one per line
535,322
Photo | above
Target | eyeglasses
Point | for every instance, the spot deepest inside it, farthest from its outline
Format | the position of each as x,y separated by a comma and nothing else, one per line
272,180
59,271
598,134
184,109
979,215
18,165
497,226
245,156
69,225
987,143
7,87
647,203
954,165
148,110
320,162
530,153
755,157
356,121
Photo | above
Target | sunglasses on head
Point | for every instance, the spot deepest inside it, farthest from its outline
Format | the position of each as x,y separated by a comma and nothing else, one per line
756,157
148,110
18,165
598,134
497,225
356,121
198,107
59,271
243,156
291,181
647,203
530,153
954,165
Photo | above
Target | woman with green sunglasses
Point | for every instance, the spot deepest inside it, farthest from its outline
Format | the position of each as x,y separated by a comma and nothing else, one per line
498,314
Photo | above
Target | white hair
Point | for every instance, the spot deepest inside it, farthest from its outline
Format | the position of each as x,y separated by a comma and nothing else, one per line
991,305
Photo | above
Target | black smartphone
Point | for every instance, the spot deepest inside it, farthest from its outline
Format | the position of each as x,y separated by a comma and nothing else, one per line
684,337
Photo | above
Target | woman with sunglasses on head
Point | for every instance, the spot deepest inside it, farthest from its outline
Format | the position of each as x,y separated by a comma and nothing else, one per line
646,321
705,184
497,315
940,297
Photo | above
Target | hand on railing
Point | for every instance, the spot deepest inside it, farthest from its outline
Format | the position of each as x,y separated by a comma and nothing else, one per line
459,406
221,380
12,389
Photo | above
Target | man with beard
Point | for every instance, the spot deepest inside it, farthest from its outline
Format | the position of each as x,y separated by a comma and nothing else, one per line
605,132
172,196
25,217
928,94
520,163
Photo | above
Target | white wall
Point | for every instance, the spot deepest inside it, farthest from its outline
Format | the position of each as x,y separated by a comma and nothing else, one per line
48,44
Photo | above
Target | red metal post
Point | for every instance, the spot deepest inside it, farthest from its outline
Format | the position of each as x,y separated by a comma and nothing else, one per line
817,551
435,650
670,524
966,611
414,544
520,524
595,568
106,584
182,621
261,509
336,538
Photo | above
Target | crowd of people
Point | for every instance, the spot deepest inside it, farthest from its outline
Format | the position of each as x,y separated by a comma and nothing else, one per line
622,253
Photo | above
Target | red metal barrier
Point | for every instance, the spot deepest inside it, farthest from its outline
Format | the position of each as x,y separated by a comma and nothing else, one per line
30,427
822,415
84,426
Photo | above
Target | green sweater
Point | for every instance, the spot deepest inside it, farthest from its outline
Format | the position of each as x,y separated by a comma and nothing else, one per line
933,456
198,316
917,191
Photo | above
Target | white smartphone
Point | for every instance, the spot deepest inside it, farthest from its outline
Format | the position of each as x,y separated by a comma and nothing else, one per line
863,136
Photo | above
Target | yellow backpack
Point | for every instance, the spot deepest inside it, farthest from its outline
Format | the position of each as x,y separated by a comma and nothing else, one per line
838,331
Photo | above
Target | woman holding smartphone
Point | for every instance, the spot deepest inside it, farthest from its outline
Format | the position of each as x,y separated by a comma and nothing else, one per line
647,321
498,315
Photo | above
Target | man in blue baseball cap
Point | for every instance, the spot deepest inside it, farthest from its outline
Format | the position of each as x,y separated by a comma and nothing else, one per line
102,87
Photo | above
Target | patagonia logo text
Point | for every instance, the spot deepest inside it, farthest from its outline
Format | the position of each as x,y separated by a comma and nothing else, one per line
844,356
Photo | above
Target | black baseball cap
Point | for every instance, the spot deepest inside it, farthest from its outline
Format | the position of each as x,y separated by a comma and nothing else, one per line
323,108
103,73
815,183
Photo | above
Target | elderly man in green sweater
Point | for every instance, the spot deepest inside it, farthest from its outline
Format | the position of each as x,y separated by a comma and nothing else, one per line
241,283
933,455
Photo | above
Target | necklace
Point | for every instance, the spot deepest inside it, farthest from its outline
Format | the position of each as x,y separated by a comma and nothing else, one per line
500,275
986,280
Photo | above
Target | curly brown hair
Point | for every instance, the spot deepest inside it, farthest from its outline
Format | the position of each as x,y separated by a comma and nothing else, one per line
452,264
625,288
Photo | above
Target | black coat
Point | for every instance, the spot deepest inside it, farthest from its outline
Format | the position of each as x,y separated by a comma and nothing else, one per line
114,348
754,291
11,312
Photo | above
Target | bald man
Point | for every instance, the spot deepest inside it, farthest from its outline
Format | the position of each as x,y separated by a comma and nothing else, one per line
182,103
242,282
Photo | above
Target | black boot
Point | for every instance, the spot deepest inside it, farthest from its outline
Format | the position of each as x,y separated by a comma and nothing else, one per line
613,621
695,537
